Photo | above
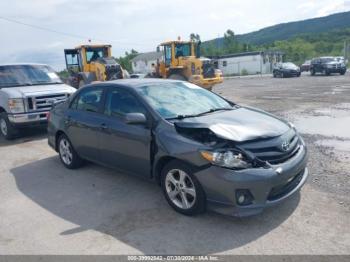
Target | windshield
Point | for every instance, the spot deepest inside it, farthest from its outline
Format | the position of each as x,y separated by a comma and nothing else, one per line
327,59
289,66
23,75
176,99
182,50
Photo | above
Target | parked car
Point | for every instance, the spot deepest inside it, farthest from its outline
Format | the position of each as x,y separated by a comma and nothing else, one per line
327,66
286,70
204,151
27,92
305,67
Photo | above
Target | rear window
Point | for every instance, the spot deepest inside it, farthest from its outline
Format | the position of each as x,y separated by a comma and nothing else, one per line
26,75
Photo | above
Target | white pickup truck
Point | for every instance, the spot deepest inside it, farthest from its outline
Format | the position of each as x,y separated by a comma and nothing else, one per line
27,92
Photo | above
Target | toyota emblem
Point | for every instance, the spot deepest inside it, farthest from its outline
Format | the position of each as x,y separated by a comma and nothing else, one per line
285,146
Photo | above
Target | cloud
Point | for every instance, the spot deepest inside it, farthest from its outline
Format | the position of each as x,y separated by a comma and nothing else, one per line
138,24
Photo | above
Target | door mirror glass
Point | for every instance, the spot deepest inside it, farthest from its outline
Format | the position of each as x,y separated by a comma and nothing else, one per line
135,118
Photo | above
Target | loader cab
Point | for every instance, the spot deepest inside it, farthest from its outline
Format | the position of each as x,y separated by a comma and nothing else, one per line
174,50
80,58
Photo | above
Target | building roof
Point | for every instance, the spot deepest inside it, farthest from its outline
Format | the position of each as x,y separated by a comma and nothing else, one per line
147,56
246,54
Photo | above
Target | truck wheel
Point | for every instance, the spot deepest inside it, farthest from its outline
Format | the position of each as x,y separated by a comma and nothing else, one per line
181,189
6,128
312,72
177,77
342,73
327,72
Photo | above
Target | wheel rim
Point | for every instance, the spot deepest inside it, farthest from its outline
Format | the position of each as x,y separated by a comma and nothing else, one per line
66,151
180,189
3,126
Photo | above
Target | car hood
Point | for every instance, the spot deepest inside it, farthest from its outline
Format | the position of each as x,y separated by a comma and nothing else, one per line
24,91
242,124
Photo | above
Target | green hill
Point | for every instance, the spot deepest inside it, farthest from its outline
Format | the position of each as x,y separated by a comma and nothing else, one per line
289,30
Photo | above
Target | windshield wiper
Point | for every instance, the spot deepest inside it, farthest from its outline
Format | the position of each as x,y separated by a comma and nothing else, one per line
47,83
9,85
201,114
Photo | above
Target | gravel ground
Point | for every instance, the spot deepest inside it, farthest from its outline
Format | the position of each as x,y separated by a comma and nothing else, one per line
47,209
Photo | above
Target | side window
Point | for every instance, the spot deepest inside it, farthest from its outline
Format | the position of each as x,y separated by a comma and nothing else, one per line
120,102
89,100
224,63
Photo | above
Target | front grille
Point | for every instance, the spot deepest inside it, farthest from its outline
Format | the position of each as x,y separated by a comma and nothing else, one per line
270,150
44,103
208,70
283,189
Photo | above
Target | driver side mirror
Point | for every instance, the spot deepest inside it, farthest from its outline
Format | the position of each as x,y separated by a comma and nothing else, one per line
135,118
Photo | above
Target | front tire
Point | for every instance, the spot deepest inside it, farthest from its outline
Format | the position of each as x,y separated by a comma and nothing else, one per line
68,156
181,189
6,128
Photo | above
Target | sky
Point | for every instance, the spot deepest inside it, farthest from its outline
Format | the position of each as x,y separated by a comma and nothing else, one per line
137,24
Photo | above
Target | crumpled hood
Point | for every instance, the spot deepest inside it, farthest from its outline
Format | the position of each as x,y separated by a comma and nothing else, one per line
238,125
24,91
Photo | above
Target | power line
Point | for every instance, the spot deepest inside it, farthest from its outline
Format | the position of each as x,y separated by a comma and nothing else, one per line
63,33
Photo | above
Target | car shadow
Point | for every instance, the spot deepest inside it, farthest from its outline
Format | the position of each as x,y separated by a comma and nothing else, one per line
25,135
135,212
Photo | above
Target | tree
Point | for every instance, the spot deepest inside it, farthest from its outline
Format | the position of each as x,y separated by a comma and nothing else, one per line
125,61
195,37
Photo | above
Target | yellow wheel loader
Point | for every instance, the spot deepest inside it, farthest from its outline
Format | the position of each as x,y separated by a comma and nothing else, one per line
89,63
182,61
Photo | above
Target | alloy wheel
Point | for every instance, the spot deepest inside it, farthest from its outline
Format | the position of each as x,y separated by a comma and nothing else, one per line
180,188
3,127
66,151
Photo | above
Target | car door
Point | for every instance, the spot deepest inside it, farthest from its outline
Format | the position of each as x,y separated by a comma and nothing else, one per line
125,146
83,120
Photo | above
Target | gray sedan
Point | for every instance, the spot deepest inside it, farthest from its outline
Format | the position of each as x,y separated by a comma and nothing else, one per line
204,151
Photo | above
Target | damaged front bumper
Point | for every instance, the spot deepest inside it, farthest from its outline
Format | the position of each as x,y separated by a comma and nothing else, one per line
261,187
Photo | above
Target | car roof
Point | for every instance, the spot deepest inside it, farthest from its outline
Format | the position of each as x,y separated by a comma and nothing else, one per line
136,82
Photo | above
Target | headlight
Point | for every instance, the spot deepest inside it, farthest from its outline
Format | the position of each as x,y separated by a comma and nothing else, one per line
227,159
16,105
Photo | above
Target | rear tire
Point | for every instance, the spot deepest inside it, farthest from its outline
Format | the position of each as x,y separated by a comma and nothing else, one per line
312,72
6,128
177,77
68,155
181,188
342,73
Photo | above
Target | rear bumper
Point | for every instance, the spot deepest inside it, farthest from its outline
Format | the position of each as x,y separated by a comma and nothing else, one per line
28,119
267,186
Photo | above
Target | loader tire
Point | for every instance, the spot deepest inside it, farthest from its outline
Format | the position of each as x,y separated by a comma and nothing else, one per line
81,83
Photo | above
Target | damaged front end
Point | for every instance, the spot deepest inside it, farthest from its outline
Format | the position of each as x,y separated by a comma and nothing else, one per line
222,152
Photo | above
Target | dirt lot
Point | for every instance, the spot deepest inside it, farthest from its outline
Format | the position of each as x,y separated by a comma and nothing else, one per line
47,209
